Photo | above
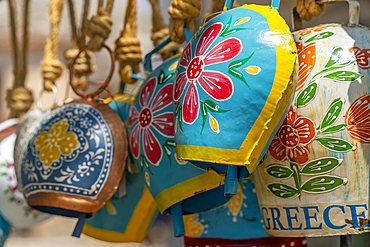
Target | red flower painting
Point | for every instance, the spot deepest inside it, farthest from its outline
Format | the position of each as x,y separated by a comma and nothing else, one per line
290,142
358,119
306,62
148,119
362,57
217,85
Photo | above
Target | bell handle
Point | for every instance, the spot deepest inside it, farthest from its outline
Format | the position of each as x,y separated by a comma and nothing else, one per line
106,82
354,13
229,4
148,57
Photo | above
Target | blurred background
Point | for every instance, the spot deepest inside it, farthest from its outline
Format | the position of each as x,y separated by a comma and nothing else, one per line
57,231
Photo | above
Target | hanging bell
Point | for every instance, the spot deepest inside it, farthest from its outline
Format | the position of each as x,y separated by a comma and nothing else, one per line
237,223
318,161
129,214
232,87
177,187
13,205
75,159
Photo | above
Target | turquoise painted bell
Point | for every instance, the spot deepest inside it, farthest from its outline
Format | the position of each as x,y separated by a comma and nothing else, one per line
128,217
232,87
238,223
177,187
125,219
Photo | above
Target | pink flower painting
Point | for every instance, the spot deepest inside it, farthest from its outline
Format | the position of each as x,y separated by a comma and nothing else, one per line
215,84
149,119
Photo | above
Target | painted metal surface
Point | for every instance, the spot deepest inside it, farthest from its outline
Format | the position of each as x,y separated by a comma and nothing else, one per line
233,80
13,205
5,229
152,144
314,180
129,214
71,164
127,218
237,223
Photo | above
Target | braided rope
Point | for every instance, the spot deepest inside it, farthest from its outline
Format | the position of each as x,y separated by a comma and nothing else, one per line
128,51
51,67
183,13
160,32
309,8
19,99
99,26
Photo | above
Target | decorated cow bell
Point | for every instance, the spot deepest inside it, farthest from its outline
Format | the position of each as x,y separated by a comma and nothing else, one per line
129,214
13,205
177,187
75,159
233,84
237,223
314,180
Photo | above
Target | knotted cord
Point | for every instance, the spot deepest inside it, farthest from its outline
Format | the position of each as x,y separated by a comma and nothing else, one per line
128,51
160,32
85,62
51,67
183,13
309,8
19,99
99,26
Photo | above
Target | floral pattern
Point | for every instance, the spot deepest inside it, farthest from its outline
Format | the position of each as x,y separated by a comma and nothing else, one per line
55,142
292,138
358,120
215,84
70,152
362,57
306,62
147,120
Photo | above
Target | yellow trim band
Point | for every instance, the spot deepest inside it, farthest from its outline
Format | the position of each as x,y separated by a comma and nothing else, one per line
275,106
188,188
137,227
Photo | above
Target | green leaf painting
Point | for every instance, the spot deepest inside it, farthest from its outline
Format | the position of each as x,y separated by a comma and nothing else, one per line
335,128
162,78
323,184
336,144
343,76
204,115
178,114
320,36
282,190
335,56
213,107
166,147
236,64
332,114
321,166
227,31
306,95
278,171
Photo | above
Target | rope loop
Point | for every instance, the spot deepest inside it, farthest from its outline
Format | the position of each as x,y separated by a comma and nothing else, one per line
309,8
182,13
98,29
